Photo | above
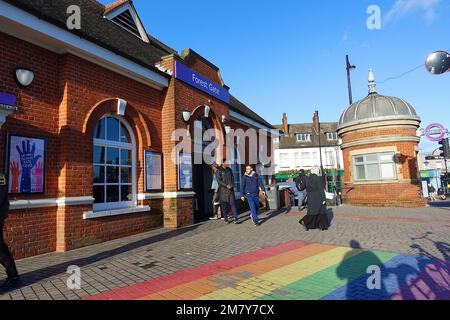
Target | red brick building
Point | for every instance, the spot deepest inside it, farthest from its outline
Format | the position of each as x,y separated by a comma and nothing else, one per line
380,146
101,97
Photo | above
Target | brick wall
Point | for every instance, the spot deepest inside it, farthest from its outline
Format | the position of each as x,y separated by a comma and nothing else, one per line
66,100
403,193
64,103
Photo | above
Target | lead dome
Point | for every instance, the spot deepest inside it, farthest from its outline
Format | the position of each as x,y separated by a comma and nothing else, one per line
376,107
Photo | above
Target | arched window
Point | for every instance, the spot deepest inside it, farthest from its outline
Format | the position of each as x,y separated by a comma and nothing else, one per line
114,185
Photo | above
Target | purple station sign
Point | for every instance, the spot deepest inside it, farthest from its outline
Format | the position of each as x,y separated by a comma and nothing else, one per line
435,132
195,80
7,100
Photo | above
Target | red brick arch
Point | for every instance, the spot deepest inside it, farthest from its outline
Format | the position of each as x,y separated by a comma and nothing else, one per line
132,116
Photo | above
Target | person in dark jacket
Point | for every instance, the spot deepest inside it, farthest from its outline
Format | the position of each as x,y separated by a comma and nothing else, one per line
6,258
251,186
226,192
316,217
300,183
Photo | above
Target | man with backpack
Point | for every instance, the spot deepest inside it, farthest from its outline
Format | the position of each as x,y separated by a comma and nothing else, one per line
300,182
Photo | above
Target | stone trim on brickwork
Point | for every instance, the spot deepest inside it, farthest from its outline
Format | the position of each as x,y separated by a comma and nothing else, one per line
379,125
165,195
382,139
359,152
54,202
112,213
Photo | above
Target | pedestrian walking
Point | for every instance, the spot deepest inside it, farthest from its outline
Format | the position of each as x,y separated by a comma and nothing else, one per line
6,258
226,192
432,193
215,191
300,183
316,217
250,188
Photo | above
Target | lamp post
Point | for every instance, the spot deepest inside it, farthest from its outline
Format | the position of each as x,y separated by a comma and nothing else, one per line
349,68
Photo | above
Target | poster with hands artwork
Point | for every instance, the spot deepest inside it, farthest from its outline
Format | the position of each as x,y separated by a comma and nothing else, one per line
26,163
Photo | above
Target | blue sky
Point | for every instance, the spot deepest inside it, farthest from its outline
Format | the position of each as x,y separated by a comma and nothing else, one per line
289,56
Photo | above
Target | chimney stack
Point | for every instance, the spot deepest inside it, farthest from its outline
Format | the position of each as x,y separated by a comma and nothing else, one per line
285,124
316,122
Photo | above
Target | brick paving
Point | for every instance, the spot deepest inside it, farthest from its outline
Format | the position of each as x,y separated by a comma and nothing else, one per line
278,260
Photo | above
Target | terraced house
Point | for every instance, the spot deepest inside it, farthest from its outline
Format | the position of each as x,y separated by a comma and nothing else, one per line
301,147
87,120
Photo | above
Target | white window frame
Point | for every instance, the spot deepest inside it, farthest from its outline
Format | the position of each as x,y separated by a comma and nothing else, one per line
332,136
297,160
121,145
306,159
303,137
284,160
379,162
330,158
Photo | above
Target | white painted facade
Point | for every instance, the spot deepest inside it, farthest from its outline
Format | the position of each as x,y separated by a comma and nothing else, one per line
306,158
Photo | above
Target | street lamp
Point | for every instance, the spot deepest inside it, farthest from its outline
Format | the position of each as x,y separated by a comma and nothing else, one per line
349,68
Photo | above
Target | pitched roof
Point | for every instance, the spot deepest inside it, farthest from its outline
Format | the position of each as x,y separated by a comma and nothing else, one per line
238,106
289,141
114,5
97,29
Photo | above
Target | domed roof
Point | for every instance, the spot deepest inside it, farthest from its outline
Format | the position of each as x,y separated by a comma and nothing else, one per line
376,107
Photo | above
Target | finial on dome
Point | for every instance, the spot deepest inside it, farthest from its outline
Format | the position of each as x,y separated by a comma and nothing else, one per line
372,83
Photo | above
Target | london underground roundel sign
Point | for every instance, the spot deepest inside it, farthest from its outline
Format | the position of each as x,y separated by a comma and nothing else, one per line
435,132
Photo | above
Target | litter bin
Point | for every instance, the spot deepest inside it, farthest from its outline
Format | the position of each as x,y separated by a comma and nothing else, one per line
273,197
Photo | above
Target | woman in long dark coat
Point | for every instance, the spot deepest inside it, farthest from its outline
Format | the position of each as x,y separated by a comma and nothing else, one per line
316,217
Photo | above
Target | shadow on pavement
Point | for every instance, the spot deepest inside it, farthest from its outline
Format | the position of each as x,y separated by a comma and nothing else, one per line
330,214
32,277
440,204
274,214
422,277
355,262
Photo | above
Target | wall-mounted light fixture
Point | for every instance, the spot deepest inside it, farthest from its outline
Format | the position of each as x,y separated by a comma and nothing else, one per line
226,126
24,76
207,111
186,116
121,107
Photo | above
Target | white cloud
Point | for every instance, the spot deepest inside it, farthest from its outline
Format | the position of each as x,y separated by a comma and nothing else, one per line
402,8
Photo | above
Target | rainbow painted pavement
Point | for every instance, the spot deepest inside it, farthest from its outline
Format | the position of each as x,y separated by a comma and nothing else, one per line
299,271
